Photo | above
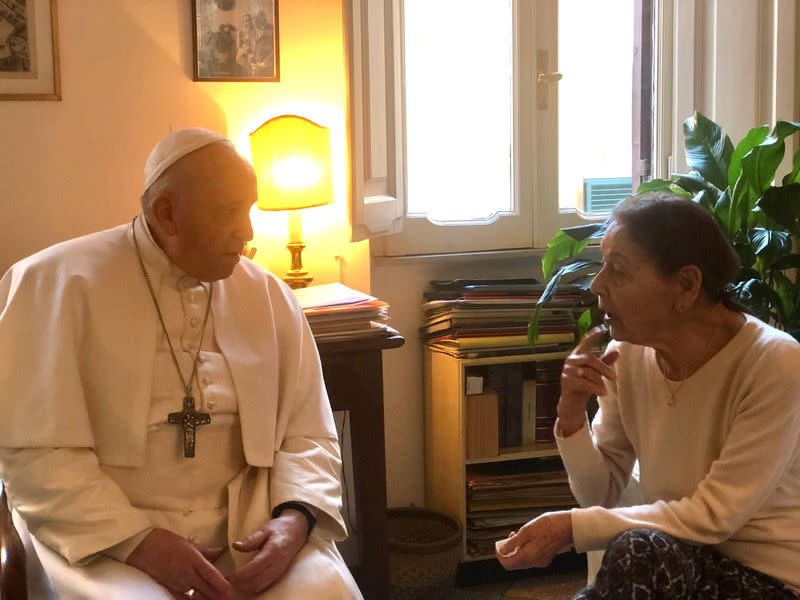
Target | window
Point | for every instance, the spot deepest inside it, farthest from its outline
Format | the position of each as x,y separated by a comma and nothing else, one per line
459,97
595,54
504,120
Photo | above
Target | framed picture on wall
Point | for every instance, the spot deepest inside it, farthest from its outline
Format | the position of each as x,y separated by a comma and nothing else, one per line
29,50
235,40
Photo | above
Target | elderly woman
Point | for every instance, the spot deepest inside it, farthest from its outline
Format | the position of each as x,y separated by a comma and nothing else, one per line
705,397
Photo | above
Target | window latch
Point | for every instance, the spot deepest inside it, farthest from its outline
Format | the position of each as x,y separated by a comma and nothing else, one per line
544,78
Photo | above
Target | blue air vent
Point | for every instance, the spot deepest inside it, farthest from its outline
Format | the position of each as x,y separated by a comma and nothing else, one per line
602,194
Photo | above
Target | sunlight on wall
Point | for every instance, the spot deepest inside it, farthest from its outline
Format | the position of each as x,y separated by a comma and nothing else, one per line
313,85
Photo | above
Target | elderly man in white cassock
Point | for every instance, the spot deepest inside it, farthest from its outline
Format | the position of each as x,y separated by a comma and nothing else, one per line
165,429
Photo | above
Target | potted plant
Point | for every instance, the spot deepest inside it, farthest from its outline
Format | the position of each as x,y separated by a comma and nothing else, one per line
738,186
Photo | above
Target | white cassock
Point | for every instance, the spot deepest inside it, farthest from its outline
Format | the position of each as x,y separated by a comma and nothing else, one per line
86,382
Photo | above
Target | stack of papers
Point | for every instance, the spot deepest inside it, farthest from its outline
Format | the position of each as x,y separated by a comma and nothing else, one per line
336,312
501,497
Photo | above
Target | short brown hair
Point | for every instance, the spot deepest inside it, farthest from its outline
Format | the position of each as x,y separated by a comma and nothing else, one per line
676,232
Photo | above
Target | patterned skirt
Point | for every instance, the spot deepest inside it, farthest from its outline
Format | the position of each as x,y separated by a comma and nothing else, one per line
649,565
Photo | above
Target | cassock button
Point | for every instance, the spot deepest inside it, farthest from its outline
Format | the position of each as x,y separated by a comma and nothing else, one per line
206,381
194,321
201,358
192,298
211,405
187,347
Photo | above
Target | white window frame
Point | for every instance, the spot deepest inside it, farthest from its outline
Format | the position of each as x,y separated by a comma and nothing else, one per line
374,31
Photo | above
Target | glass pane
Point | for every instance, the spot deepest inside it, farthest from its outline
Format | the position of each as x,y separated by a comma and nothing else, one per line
459,109
595,56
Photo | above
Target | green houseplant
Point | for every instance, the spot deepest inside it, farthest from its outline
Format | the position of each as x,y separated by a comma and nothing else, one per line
738,186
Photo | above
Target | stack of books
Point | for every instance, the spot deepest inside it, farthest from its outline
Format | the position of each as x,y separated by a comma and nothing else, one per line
336,312
475,318
515,409
502,498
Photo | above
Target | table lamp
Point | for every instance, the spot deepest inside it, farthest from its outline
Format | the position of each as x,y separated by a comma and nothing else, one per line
292,160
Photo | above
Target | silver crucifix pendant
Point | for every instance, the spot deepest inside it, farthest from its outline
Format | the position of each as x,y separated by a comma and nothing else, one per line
188,419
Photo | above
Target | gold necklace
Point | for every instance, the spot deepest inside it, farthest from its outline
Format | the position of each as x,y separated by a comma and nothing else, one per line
704,358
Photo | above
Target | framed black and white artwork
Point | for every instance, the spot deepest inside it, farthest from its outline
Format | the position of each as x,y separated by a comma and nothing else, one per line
235,40
29,67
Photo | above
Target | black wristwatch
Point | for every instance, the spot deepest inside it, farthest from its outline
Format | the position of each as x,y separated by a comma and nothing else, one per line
298,506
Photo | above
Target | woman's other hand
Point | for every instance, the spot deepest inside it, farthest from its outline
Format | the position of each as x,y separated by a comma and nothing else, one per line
537,542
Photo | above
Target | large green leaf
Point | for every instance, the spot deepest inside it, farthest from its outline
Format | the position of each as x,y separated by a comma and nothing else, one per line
654,185
702,199
584,323
767,241
725,216
794,176
786,290
533,326
753,138
782,204
708,149
769,245
561,247
592,231
589,318
587,268
694,183
757,296
758,168
662,185
582,267
746,255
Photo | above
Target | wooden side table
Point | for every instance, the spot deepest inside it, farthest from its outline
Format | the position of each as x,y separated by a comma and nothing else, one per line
354,379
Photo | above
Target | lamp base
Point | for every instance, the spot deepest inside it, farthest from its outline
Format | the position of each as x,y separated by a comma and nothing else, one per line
297,280
297,277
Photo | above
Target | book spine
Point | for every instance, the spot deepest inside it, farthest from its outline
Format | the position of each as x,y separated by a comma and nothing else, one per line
548,389
482,424
528,411
513,405
496,380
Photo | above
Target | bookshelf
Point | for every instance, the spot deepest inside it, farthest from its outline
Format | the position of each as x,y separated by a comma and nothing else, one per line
448,466
542,450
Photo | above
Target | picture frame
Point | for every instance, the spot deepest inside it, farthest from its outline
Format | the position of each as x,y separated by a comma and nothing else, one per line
29,59
235,40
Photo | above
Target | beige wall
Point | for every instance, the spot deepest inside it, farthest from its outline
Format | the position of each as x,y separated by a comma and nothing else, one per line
71,167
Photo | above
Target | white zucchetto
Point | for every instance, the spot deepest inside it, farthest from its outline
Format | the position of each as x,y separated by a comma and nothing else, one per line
174,147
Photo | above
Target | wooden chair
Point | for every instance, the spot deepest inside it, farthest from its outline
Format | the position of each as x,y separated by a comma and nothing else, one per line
13,582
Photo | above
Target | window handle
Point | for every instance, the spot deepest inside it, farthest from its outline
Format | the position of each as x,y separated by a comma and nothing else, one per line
548,77
543,79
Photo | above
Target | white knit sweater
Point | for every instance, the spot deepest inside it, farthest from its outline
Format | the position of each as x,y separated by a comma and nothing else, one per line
720,467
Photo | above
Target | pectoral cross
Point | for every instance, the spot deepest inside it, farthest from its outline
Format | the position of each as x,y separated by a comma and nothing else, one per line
188,419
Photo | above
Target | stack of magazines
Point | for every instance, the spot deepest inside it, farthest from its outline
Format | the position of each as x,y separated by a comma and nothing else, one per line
502,498
472,318
336,312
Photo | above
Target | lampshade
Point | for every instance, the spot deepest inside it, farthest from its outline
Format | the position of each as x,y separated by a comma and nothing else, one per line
292,160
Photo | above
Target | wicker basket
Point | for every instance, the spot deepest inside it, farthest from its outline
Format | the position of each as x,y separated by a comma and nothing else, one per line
424,548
